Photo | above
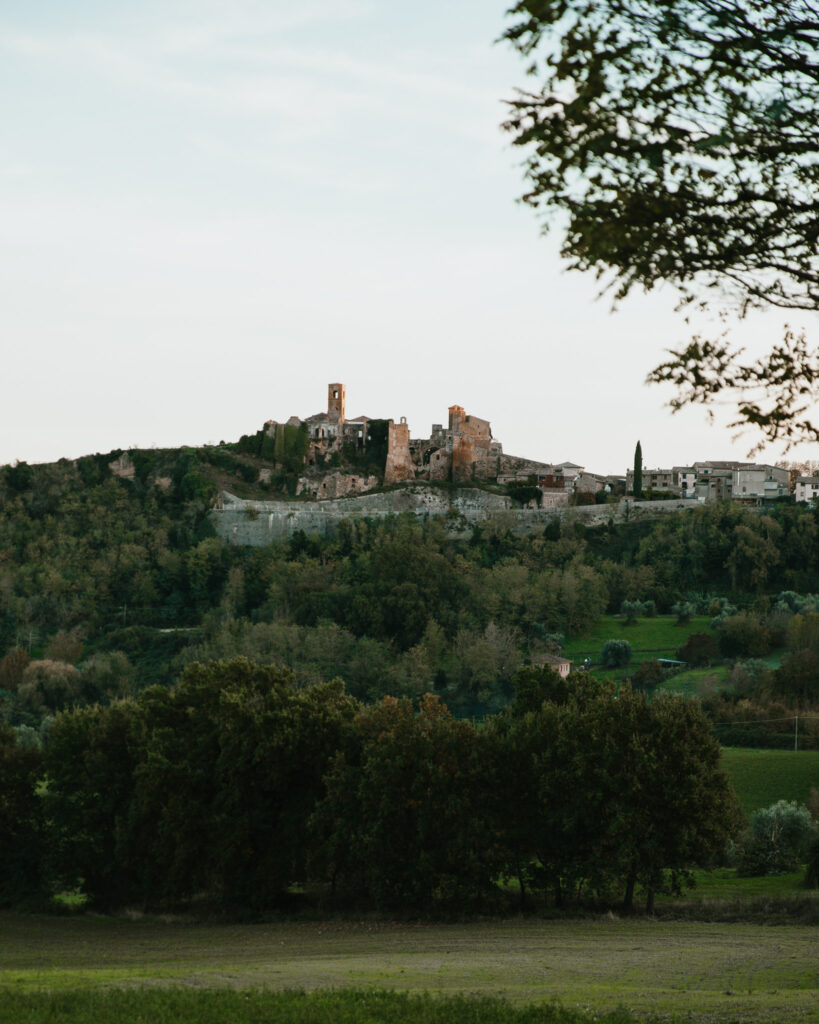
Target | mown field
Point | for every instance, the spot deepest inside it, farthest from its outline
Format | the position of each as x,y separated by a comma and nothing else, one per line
659,637
761,777
352,1006
697,681
701,972
725,884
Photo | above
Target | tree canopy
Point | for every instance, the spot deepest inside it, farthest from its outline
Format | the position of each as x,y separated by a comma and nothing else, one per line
679,143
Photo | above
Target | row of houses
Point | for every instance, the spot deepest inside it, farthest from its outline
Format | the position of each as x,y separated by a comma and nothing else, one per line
739,481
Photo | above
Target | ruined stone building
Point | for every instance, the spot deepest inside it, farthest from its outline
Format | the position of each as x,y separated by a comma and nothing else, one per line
460,451
329,431
463,450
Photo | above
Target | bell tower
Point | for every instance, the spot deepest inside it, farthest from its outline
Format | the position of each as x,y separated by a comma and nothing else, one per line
335,402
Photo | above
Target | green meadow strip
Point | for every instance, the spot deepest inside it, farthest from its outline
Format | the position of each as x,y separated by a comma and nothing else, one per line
761,777
174,1006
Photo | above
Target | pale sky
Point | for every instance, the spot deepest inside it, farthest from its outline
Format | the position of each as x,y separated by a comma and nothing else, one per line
209,210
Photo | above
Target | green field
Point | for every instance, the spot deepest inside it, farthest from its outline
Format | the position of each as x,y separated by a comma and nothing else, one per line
696,681
725,884
703,972
761,777
659,637
218,1006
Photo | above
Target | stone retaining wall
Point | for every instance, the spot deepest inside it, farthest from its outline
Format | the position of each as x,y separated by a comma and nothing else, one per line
256,523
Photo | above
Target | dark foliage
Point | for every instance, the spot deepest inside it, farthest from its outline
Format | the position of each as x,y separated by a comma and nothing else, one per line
699,649
678,140
233,785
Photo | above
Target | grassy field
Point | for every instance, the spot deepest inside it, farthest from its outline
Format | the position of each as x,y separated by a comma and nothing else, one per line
696,681
659,637
761,777
706,972
352,1006
724,884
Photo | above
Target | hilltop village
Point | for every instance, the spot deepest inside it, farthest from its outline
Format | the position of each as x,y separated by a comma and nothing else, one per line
335,449
462,451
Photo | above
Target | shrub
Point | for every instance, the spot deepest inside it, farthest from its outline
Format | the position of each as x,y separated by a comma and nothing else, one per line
683,610
49,685
630,610
790,601
648,676
798,677
616,654
699,649
802,632
750,679
65,647
743,635
777,840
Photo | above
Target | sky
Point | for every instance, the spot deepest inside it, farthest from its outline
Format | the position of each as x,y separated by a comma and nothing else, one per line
210,209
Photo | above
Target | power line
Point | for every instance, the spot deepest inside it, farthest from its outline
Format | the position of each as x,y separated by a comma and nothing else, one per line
766,721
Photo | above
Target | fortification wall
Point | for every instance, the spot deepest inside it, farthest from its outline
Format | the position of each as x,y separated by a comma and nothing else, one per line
256,523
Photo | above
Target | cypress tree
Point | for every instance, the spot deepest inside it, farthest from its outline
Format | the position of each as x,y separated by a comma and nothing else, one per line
638,471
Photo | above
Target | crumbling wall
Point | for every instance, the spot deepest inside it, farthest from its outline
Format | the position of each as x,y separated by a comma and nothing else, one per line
463,457
439,465
258,523
336,485
398,466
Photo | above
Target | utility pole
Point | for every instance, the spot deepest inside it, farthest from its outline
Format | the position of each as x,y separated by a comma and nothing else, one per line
796,732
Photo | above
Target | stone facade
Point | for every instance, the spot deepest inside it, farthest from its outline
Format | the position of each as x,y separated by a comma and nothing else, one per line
336,402
469,439
655,480
556,497
257,523
399,465
464,450
461,451
336,485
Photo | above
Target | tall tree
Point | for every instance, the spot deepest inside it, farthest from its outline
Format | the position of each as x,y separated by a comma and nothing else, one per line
670,804
90,759
405,818
21,820
679,141
638,471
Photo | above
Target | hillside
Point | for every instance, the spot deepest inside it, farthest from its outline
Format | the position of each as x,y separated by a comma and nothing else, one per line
111,573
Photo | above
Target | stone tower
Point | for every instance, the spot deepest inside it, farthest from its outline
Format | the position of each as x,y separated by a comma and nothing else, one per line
335,402
399,464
